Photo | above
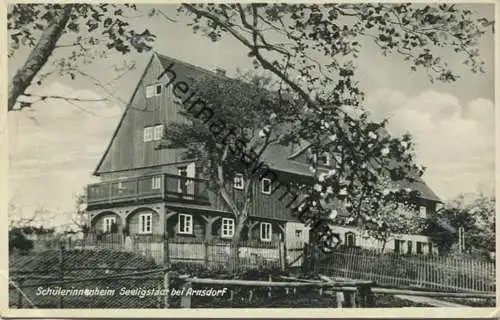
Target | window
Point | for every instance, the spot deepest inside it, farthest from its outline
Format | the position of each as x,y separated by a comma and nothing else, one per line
156,183
324,159
145,223
419,247
298,233
430,247
185,224
148,134
153,90
150,91
410,245
266,186
227,228
158,132
350,239
423,212
238,181
108,222
397,246
265,231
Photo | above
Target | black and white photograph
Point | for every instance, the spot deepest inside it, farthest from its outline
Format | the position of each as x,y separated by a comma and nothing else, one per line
245,155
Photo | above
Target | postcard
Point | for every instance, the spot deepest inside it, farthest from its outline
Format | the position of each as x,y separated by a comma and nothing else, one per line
250,159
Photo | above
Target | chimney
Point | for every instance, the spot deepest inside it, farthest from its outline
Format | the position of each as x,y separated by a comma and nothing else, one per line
220,71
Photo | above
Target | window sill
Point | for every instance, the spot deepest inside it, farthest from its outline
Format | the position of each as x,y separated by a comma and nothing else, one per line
185,234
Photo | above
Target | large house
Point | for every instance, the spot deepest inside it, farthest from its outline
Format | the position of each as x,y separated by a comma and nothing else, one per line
146,190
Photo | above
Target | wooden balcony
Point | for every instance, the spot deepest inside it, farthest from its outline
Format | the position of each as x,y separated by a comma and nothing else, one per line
148,188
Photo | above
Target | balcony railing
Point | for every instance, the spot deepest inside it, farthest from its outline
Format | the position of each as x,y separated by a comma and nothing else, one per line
157,187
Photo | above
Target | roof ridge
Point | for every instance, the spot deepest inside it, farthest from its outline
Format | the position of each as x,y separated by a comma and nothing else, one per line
191,66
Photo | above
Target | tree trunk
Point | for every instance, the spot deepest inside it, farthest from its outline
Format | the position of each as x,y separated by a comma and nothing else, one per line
39,55
383,245
234,252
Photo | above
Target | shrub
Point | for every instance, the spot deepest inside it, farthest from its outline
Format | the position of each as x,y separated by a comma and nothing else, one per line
18,241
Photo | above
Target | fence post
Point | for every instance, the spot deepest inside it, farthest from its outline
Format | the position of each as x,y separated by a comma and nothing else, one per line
282,253
166,285
205,257
305,260
166,250
365,296
340,299
186,298
61,271
350,299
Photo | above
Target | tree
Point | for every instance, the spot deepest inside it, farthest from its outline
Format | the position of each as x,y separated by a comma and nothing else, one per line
477,219
232,134
387,216
312,49
21,227
80,219
89,30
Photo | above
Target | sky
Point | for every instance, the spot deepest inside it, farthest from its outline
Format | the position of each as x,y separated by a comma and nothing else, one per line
56,145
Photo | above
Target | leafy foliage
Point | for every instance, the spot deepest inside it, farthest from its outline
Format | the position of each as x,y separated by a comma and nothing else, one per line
291,40
386,216
82,32
27,21
477,219
18,241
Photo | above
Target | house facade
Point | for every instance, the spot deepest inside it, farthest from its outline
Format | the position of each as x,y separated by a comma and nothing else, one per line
147,191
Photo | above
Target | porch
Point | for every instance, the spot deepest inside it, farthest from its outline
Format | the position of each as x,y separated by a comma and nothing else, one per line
151,188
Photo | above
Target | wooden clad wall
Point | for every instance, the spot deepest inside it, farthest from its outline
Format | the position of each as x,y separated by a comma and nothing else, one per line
128,150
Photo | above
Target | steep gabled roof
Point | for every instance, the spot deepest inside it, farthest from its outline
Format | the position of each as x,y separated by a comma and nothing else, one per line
127,108
278,157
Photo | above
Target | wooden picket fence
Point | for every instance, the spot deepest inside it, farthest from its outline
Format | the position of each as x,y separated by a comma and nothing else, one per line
431,272
214,254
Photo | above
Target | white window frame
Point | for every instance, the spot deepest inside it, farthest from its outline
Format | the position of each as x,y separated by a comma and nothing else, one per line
238,177
158,132
150,91
148,134
422,212
143,228
266,227
187,225
156,182
263,184
227,228
108,222
350,235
